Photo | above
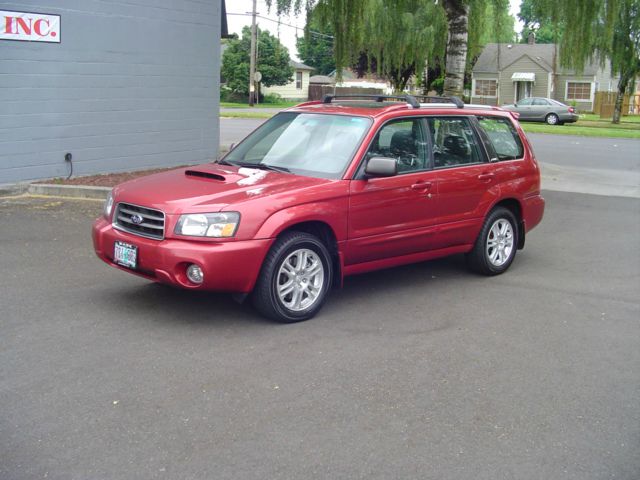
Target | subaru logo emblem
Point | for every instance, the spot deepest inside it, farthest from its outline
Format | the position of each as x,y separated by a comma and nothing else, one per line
137,219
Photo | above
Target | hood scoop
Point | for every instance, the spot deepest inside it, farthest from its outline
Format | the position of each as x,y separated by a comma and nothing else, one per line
209,175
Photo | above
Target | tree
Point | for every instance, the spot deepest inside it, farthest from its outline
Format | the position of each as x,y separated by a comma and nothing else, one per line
316,47
273,62
538,22
598,30
406,31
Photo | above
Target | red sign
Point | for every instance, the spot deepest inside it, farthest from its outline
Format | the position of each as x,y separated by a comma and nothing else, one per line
29,27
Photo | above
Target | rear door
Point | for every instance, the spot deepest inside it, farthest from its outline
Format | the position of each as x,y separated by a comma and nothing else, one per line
540,108
394,216
464,175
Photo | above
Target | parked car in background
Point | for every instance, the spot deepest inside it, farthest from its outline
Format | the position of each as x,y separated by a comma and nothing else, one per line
329,189
537,109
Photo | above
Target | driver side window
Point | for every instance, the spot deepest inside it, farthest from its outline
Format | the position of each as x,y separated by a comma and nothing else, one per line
403,140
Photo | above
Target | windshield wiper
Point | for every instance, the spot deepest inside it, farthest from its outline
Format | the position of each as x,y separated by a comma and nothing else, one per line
260,166
266,166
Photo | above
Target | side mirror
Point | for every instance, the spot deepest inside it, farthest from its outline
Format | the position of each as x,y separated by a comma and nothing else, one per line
381,167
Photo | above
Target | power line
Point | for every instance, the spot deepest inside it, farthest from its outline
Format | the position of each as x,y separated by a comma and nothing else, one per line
282,23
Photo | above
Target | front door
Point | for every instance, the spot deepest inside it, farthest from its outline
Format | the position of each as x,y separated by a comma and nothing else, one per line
394,216
523,90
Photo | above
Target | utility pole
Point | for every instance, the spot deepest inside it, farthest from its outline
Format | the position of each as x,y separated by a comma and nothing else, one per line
252,60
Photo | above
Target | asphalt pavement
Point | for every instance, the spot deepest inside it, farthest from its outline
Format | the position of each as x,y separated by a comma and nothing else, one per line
418,372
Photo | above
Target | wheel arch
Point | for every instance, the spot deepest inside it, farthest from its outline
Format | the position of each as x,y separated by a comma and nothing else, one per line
515,207
323,231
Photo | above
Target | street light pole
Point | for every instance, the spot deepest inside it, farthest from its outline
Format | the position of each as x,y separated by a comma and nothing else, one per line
252,60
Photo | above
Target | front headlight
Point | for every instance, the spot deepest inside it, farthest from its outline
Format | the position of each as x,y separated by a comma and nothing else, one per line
216,225
108,206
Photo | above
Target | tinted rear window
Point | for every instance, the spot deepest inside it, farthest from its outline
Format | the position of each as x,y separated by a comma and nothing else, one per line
503,136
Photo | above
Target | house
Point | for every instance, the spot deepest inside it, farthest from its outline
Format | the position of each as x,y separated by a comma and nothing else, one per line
298,88
505,73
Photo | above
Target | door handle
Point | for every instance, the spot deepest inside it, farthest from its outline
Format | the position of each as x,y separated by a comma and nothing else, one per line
486,177
421,186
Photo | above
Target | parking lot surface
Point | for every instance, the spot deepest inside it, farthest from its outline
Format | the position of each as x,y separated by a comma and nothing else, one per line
419,372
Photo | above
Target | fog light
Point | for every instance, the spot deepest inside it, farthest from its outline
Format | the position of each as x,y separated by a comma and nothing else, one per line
194,274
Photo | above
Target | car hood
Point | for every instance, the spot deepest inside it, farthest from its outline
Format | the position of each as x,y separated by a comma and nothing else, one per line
209,187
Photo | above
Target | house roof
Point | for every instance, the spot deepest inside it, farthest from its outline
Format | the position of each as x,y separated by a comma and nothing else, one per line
300,66
540,53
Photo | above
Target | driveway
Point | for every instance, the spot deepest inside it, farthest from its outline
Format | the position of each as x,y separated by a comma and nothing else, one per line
424,371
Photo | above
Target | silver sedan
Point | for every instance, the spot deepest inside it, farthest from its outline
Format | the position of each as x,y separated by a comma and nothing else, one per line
536,109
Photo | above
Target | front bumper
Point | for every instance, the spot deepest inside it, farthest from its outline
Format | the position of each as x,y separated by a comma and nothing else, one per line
228,266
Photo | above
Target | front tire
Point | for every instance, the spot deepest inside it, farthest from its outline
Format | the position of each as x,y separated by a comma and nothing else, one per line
496,245
295,278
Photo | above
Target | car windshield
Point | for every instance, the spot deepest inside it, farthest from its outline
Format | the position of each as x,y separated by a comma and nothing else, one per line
310,144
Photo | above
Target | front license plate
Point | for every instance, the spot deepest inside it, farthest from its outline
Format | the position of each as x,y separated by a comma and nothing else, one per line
125,254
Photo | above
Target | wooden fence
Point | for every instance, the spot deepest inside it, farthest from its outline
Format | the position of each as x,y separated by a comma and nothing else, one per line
317,92
604,103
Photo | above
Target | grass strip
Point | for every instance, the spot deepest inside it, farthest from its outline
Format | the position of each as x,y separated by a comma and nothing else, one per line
578,129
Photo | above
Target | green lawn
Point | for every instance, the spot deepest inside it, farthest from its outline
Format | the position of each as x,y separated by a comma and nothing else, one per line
592,117
589,125
261,105
245,114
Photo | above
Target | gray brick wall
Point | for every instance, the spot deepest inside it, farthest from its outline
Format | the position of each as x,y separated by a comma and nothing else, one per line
133,84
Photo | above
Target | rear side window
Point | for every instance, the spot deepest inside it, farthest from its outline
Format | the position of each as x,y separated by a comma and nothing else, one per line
503,137
454,142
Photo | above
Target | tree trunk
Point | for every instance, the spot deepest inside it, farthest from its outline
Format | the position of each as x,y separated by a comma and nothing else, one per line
622,89
458,19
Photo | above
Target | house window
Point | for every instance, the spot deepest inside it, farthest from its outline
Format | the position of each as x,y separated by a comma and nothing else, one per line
299,80
486,88
579,91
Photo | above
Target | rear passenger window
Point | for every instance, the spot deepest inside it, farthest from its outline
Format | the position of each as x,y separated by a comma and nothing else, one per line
503,136
454,142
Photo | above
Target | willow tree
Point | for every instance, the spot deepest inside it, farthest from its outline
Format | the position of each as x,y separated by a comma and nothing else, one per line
398,32
607,31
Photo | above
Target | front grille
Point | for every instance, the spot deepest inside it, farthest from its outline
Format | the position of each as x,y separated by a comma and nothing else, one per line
142,221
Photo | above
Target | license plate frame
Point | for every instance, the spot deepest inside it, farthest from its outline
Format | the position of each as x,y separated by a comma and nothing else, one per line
125,254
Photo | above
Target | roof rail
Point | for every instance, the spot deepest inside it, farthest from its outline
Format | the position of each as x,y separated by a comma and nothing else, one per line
432,99
411,100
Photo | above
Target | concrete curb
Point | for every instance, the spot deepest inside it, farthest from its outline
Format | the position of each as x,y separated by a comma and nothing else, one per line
13,189
76,191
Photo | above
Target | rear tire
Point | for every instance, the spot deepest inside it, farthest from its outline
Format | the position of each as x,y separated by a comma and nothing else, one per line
552,119
496,245
295,278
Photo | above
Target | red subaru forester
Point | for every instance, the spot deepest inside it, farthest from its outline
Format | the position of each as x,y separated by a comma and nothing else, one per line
328,189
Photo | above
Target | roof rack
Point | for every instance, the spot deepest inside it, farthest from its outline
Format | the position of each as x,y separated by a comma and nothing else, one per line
411,100
433,99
